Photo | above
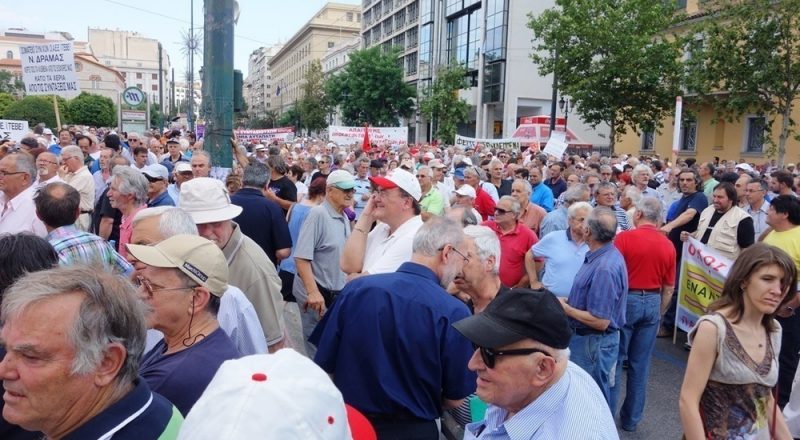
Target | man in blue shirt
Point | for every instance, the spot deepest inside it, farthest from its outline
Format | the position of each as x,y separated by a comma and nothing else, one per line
596,304
400,371
157,181
542,195
520,335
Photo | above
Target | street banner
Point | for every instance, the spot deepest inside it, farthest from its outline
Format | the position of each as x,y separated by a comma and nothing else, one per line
377,135
14,130
509,145
702,276
265,135
557,144
49,69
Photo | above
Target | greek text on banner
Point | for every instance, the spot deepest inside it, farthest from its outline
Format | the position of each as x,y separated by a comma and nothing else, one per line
509,145
377,135
49,69
702,276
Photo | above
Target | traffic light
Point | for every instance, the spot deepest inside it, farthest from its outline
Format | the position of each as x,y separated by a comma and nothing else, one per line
238,99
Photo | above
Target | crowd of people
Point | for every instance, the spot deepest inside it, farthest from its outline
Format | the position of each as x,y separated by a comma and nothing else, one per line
315,290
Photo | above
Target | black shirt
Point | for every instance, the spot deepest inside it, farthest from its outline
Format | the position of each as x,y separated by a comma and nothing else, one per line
102,209
263,221
285,189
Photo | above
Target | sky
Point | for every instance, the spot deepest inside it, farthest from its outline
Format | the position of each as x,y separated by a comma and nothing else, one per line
261,22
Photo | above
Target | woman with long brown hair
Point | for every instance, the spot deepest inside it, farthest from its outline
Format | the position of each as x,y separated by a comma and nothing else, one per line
733,365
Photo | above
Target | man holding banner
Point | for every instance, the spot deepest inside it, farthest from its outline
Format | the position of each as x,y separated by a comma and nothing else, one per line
724,226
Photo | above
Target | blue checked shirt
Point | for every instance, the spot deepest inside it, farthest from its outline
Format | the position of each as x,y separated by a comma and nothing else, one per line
74,246
571,409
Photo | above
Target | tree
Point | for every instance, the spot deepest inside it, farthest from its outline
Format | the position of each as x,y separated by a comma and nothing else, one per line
36,109
313,106
370,89
746,59
613,59
89,109
155,116
11,84
289,118
443,104
6,100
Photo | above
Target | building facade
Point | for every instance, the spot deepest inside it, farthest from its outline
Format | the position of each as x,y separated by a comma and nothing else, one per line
258,87
183,93
137,58
704,135
334,60
334,23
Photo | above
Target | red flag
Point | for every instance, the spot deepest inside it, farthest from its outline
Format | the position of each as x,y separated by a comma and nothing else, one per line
365,145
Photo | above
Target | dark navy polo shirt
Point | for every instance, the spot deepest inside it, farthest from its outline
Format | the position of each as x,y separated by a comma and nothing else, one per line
263,221
389,343
162,199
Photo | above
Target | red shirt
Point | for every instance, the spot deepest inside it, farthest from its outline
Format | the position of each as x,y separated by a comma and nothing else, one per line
513,247
649,256
484,203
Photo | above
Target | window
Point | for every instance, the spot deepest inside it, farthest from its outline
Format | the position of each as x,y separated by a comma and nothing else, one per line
425,51
125,75
139,86
154,76
411,64
330,44
9,55
496,30
349,16
154,87
95,79
756,128
689,135
494,82
138,75
648,141
411,38
462,39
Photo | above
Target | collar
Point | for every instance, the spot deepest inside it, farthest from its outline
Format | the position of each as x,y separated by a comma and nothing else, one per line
116,416
764,207
246,191
63,231
647,226
569,234
419,270
20,198
160,197
331,210
598,253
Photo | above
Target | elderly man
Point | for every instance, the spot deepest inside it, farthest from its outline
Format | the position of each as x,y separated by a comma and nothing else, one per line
432,202
479,279
724,226
650,260
413,368
174,155
17,176
47,165
484,203
58,206
555,181
596,303
524,373
201,164
395,206
640,177
706,172
182,282
89,389
64,140
515,240
542,194
207,201
318,249
757,205
182,172
556,220
78,176
236,315
606,196
128,194
157,180
531,214
503,186
561,253
102,175
362,194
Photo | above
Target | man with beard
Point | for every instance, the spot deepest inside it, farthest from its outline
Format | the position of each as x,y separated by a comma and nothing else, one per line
413,367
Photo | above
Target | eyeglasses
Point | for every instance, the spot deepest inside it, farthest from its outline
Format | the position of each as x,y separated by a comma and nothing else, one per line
489,356
346,191
148,286
6,173
321,162
452,248
498,211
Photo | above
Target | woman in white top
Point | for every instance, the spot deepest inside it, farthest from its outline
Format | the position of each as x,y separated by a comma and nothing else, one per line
733,365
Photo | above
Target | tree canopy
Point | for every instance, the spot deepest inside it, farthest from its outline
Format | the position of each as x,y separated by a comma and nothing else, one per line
313,105
89,109
442,104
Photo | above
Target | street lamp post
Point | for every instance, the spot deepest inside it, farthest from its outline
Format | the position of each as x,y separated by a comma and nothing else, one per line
566,107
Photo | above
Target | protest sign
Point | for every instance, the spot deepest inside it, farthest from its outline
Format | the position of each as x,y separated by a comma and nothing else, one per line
14,130
377,135
702,276
509,145
557,144
49,69
266,135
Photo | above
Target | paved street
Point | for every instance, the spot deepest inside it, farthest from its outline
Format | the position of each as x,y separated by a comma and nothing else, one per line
661,419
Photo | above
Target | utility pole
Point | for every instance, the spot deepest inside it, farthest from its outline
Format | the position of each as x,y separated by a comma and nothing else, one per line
555,95
218,81
160,89
190,79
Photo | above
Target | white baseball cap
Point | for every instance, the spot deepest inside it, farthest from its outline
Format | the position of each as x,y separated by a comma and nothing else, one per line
341,179
206,200
156,171
465,190
182,167
272,396
399,178
745,166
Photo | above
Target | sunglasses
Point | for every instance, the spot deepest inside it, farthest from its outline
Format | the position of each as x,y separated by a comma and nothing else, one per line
498,211
489,356
346,191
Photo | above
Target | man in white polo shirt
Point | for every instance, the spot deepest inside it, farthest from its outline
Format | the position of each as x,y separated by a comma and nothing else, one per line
394,204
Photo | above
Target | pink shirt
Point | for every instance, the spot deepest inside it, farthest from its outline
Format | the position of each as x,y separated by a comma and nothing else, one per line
126,230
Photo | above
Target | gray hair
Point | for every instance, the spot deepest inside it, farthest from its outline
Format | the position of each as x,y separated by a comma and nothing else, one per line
515,206
473,171
426,170
606,168
632,193
602,224
486,243
495,161
256,175
25,163
606,185
276,163
575,193
110,312
72,150
573,209
202,153
526,185
642,169
172,220
651,209
467,216
434,234
131,182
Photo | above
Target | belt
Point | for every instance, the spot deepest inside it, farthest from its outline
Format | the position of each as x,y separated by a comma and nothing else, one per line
585,331
87,212
644,292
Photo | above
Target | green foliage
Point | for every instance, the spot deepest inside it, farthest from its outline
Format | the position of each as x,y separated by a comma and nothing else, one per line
443,105
290,117
313,105
612,59
36,109
10,83
745,59
96,110
371,89
155,116
5,100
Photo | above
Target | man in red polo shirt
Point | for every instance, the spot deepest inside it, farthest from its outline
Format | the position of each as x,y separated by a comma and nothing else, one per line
484,203
516,240
650,259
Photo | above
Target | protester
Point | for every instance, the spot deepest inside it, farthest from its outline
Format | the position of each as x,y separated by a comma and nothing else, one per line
757,205
127,193
515,240
77,175
479,279
47,165
157,177
18,174
531,214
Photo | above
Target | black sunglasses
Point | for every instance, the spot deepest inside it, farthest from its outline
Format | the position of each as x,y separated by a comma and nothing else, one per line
489,356
499,211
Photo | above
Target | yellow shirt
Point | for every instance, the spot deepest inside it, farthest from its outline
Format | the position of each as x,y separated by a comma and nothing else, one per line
788,241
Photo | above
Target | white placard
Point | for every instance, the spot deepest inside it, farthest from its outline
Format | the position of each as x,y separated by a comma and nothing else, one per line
49,69
510,145
377,135
557,144
15,130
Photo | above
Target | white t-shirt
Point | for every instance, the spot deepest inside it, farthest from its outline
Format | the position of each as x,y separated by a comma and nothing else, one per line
384,252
